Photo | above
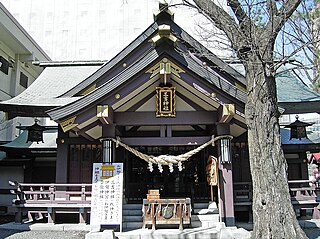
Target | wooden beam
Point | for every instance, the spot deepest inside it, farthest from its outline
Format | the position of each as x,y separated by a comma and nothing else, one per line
142,101
105,114
197,128
168,141
134,128
226,113
182,118
109,131
190,102
86,128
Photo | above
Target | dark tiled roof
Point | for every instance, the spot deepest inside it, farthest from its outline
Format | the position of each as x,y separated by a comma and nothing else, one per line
183,36
104,89
205,53
186,60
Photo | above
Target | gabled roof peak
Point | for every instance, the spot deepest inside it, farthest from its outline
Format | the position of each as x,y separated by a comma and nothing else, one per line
164,14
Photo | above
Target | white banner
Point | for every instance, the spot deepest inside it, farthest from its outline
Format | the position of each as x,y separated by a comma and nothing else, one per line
107,193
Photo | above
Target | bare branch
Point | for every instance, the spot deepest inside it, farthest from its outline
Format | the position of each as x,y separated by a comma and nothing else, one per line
280,18
224,22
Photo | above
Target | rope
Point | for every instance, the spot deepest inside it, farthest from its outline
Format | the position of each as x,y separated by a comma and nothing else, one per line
169,159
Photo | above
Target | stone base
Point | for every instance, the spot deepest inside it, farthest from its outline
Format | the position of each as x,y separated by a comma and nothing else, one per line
106,234
209,217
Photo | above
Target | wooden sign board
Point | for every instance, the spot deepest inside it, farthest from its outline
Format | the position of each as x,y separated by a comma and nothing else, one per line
166,102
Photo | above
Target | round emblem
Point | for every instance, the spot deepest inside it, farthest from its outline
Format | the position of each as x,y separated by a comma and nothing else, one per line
167,212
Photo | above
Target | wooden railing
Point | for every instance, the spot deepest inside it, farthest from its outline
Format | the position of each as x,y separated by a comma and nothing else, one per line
51,198
28,193
302,194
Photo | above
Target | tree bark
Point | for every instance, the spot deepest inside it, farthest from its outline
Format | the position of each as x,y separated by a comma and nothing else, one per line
273,215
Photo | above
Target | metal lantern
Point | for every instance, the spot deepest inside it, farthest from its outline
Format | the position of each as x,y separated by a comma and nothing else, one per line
35,132
298,129
225,148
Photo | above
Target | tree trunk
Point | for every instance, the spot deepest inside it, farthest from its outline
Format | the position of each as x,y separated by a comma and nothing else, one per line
316,44
273,215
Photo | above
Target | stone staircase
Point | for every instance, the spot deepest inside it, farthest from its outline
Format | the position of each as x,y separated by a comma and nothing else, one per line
132,216
203,225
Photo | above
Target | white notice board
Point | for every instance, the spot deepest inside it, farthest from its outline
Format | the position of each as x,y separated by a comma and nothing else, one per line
107,193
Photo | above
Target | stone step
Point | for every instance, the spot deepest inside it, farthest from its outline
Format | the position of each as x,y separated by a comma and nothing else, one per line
200,205
132,218
132,206
126,226
208,233
132,213
217,232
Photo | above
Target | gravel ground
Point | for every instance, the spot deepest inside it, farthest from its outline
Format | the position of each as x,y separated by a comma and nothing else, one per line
13,234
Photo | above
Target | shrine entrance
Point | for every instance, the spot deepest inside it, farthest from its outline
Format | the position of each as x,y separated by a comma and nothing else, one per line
190,182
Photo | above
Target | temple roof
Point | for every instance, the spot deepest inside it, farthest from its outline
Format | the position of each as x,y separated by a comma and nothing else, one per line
44,93
49,142
54,89
293,95
58,91
189,62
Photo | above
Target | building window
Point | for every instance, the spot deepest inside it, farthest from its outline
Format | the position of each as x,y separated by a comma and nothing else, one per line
4,65
23,80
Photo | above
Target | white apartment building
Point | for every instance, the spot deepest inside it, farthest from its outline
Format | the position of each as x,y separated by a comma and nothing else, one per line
17,52
98,29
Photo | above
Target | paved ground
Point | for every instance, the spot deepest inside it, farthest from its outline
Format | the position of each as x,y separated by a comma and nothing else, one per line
75,231
312,233
13,234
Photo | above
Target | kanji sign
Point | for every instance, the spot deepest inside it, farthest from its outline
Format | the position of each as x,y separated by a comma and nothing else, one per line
107,193
166,104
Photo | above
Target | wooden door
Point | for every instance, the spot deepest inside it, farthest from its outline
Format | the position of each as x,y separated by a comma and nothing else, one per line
81,159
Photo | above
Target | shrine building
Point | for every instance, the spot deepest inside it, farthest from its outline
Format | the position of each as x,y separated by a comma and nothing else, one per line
164,94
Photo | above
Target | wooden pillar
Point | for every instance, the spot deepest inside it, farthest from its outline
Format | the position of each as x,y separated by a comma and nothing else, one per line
51,215
62,158
226,181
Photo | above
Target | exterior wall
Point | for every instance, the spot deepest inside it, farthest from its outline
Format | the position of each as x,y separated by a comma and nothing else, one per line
19,50
85,30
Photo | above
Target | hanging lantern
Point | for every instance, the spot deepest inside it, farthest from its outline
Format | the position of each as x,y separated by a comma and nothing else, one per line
298,129
225,149
35,132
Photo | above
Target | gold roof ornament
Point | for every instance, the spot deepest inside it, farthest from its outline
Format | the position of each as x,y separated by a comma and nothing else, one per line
165,66
68,124
164,31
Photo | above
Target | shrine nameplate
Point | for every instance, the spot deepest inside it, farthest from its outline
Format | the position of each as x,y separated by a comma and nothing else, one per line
166,103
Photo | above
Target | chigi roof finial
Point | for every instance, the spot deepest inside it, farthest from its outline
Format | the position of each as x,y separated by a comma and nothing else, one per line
164,12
